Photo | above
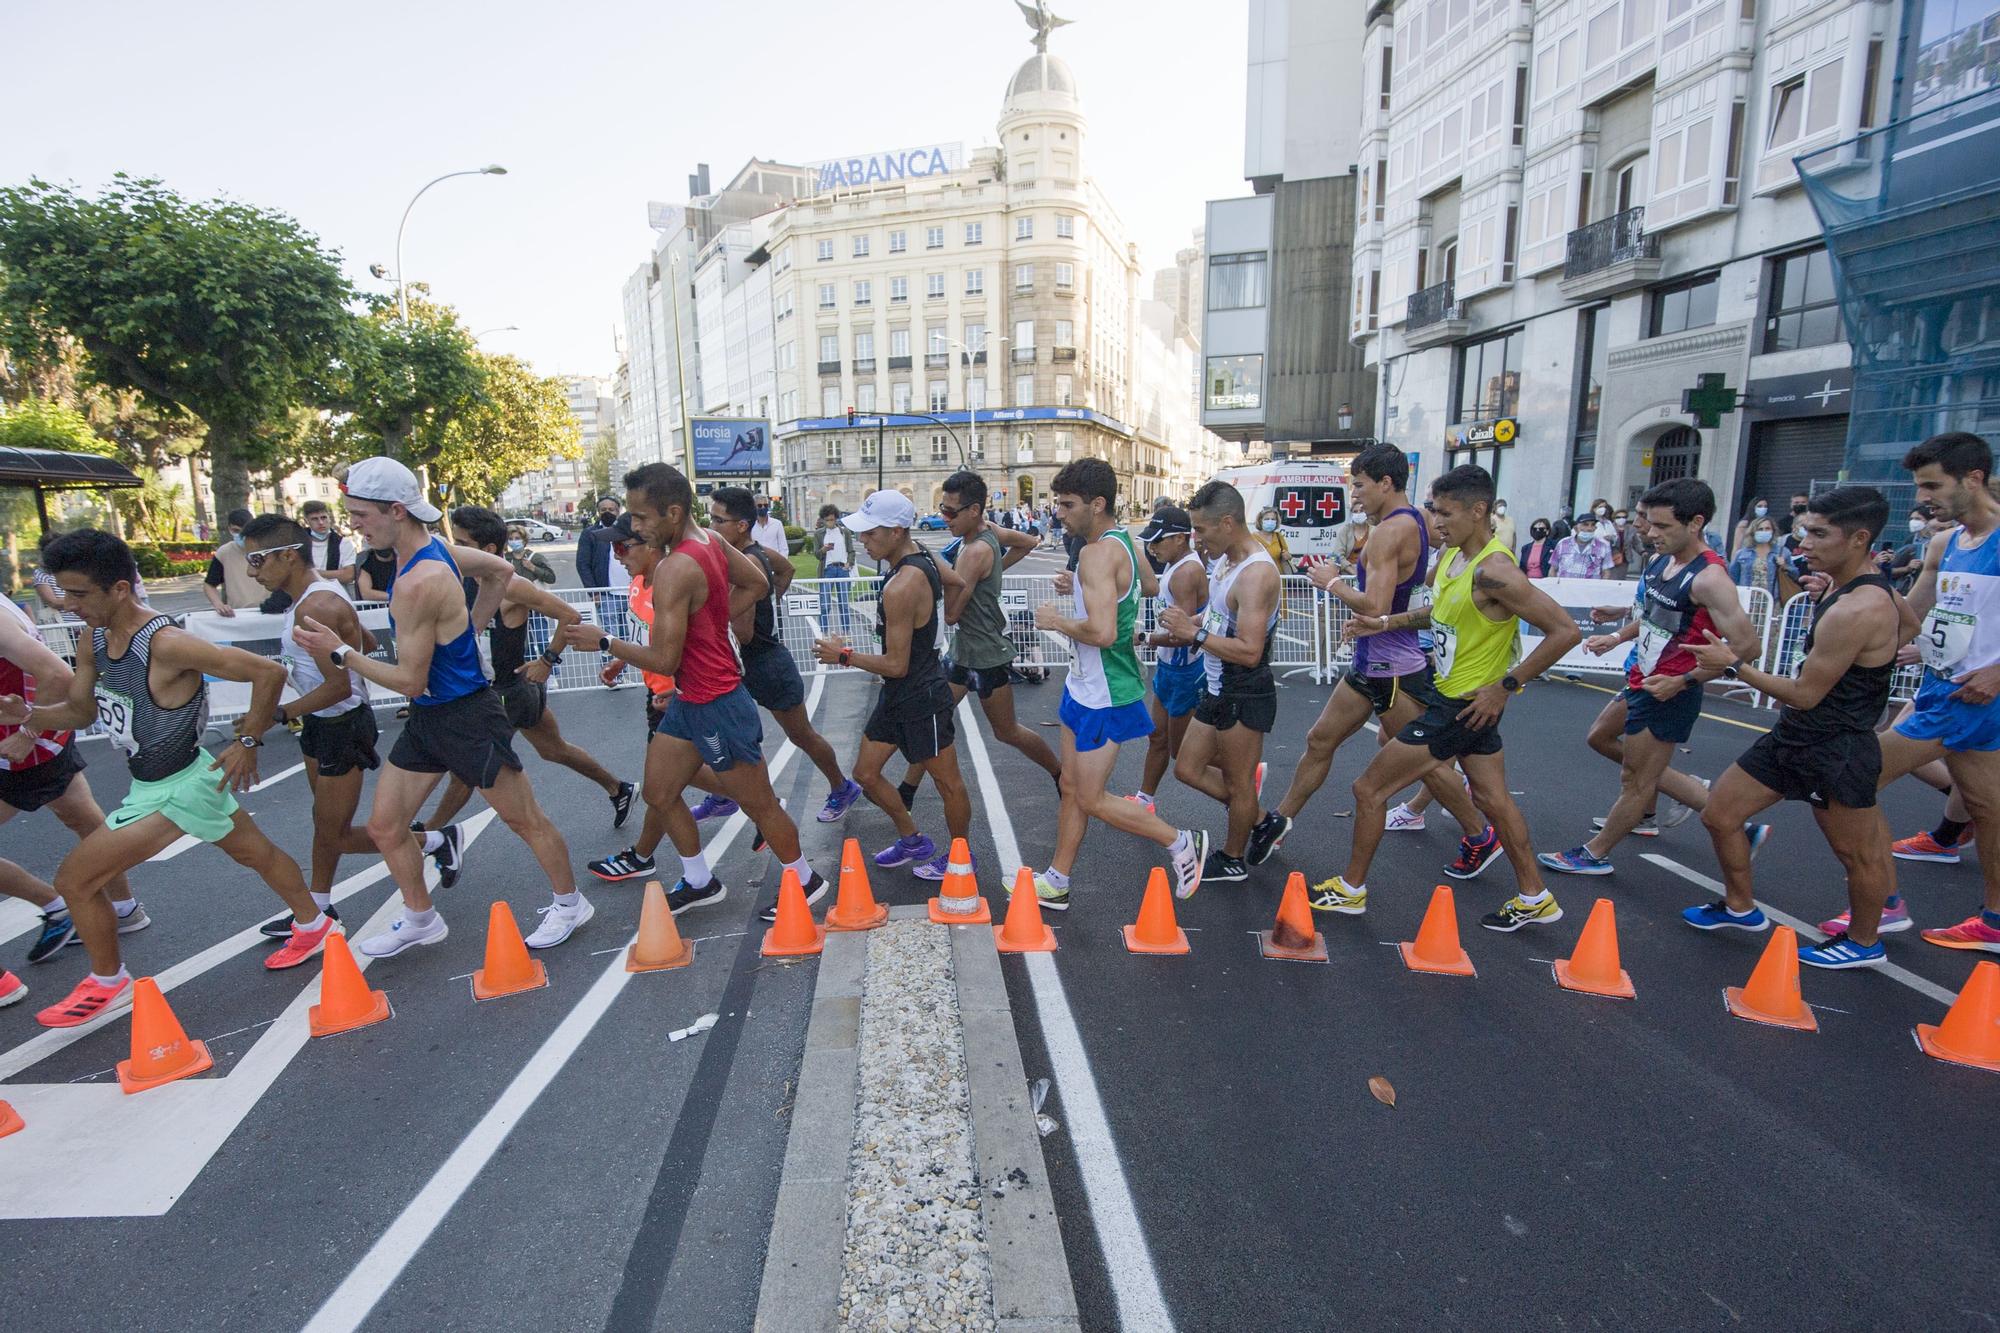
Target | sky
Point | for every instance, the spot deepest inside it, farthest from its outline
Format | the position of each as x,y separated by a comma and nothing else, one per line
337,114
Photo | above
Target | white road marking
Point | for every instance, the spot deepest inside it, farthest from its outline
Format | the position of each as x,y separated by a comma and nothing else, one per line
175,848
1128,1259
1809,933
357,1295
276,778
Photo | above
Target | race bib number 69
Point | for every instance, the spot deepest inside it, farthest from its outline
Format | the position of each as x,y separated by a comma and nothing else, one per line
114,714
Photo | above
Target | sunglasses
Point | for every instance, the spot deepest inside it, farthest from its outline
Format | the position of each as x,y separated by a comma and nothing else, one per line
256,559
621,548
947,513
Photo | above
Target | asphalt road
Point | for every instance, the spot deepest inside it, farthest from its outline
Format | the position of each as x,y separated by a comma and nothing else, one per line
1552,1158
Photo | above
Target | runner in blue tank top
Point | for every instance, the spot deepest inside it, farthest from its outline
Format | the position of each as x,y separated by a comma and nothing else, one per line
1391,675
457,723
1179,675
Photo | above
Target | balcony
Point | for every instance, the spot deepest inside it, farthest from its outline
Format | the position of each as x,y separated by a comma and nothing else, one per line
1435,316
899,363
1024,356
864,365
1063,354
936,360
829,367
1610,256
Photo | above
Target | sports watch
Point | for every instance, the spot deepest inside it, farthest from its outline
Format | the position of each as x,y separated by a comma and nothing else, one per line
1510,684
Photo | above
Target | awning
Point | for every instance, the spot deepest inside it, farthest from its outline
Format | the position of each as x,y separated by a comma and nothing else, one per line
56,469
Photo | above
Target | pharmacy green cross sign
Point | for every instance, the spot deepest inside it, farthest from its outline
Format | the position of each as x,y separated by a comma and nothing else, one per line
1708,400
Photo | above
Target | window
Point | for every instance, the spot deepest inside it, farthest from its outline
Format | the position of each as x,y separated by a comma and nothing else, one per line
940,449
1065,333
1381,187
829,348
975,282
833,450
864,292
1388,65
788,356
934,340
864,397
1024,335
899,291
1065,275
1732,169
1024,277
864,345
1024,450
826,297
1233,382
939,397
933,238
903,450
934,286
1489,378
899,342
868,449
899,241
1804,105
1024,391
1448,261
1065,227
1236,282
1803,309
975,233
1596,359
1520,105
788,404
1630,185
1065,394
823,250
899,397
975,392
1062,446
861,247
975,337
1510,243
829,400
1871,76
785,303
1687,305
1024,227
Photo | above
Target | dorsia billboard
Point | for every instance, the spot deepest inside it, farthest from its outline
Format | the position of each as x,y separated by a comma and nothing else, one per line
731,447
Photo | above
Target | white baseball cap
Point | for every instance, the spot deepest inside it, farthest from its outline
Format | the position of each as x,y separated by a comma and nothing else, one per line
385,481
882,509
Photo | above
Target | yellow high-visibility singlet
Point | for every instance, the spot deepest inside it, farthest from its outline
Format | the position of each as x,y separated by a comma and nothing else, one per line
1472,651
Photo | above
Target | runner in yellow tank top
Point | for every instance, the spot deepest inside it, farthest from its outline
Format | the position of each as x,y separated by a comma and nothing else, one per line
1480,599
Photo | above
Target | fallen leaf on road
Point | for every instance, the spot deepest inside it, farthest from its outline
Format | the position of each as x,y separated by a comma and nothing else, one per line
1385,1092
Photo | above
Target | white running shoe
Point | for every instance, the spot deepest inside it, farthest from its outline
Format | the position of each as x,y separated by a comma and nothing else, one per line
1402,820
1188,865
558,922
1677,814
401,935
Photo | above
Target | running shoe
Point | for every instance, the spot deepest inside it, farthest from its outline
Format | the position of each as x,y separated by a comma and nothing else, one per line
401,935
559,922
1474,857
685,895
1924,847
935,868
1758,835
1222,868
1840,952
1266,837
1517,912
901,852
1894,918
1149,807
1971,933
627,864
1188,864
621,804
1576,861
1676,814
839,802
90,1000
815,890
1717,916
1333,895
57,930
132,922
1401,819
302,945
1649,827
714,807
13,990
279,927
449,856
1051,898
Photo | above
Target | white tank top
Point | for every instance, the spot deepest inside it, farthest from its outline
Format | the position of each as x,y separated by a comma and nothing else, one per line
299,663
1220,620
1180,657
1962,632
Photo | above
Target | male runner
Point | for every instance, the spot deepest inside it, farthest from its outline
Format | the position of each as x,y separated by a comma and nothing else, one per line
457,723
981,650
700,582
145,681
914,711
1823,750
1685,592
1239,702
1479,599
1179,675
43,768
1102,703
522,684
1391,675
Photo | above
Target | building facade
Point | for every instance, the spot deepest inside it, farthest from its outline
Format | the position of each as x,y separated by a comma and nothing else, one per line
557,490
1568,214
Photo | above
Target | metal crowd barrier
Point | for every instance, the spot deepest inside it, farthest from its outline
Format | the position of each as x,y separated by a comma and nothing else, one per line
1787,648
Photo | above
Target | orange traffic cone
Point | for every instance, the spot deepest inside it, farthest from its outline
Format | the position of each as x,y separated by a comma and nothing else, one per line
794,934
1970,1033
508,970
1593,968
1156,930
958,903
659,945
855,908
345,1002
1436,948
1773,993
161,1050
1292,937
1025,931
10,1120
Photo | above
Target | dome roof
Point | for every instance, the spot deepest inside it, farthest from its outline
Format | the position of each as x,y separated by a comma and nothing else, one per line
1042,79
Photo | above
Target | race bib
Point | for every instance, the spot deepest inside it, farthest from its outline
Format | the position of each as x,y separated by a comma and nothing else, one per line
1445,641
114,714
1653,641
1421,597
1216,622
1946,639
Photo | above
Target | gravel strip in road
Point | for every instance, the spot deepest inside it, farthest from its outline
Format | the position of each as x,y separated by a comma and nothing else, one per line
916,1251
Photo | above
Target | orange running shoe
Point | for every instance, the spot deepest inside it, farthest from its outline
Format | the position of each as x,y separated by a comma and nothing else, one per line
13,990
1971,933
1923,847
302,944
90,1000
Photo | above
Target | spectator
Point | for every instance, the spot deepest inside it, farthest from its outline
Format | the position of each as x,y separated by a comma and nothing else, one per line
769,532
229,586
1788,545
329,551
1758,564
1628,548
1503,527
1908,561
530,565
1353,535
1759,508
593,547
836,564
1602,508
1538,556
374,573
1272,535
1585,553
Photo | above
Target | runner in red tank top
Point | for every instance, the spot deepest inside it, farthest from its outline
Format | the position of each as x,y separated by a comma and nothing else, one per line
710,722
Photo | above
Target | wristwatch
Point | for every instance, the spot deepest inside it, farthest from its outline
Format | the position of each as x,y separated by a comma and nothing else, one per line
248,742
846,656
1200,637
604,643
1510,684
279,715
338,656
1729,672
552,657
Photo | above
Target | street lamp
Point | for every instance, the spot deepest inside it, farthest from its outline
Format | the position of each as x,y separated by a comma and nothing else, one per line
402,300
972,412
1346,418
503,328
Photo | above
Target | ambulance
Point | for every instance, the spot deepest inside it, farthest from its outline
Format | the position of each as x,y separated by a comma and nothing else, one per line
1310,495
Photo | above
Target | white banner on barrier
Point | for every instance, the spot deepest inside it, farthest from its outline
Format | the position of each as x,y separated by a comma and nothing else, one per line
1580,596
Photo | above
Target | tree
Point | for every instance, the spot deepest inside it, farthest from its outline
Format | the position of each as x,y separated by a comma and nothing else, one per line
603,457
405,383
520,422
228,312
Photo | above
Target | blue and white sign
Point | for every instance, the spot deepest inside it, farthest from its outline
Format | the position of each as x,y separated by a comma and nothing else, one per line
731,447
936,159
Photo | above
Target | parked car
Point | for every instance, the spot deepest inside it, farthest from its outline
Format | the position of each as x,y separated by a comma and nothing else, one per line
538,531
931,523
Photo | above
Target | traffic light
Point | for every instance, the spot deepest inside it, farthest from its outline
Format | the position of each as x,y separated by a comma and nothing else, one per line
850,416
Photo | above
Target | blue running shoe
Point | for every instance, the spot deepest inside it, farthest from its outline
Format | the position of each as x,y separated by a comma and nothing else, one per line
1576,861
1717,916
57,930
1842,952
916,847
840,802
714,807
1758,835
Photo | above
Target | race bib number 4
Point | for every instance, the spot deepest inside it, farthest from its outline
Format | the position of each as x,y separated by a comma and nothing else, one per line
1946,639
114,714
1653,641
1445,638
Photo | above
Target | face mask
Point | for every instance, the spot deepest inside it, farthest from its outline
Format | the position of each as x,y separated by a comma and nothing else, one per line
1603,511
1798,509
1917,525
515,544
1500,509
1269,525
1358,520
1619,522
1539,534
236,537
1763,510
763,513
1799,531
1762,536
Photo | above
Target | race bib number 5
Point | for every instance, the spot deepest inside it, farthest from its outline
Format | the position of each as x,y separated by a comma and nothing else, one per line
1946,639
114,714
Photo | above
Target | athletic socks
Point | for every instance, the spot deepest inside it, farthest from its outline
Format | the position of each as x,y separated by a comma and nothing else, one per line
320,900
1182,841
1535,899
1145,796
803,869
433,841
59,909
1056,878
569,899
1948,832
423,920
120,975
694,869
318,922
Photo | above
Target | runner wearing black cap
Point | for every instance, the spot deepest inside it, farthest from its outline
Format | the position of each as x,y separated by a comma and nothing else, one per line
1178,673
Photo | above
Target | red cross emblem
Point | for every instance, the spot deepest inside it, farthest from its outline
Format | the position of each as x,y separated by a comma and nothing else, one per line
1292,505
1327,504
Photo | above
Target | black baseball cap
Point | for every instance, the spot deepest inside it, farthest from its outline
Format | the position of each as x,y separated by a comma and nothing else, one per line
624,531
1167,521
